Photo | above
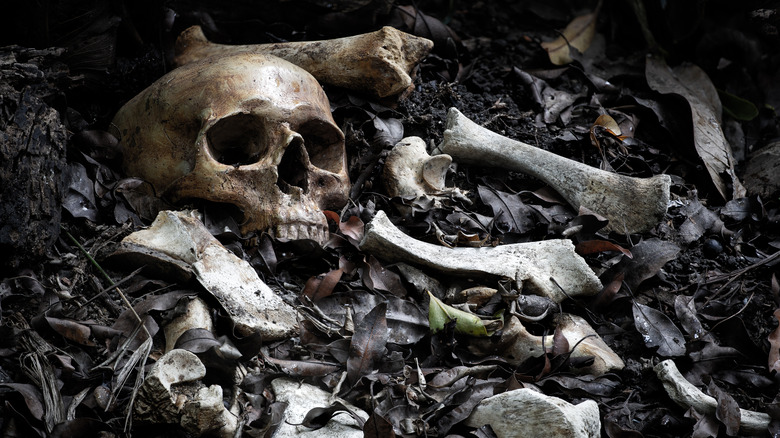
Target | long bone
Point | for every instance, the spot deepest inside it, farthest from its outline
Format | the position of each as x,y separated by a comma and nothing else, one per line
632,205
377,62
549,268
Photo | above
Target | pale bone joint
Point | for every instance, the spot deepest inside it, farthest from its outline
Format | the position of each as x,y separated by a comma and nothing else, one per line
549,268
378,62
518,345
632,205
410,172
685,394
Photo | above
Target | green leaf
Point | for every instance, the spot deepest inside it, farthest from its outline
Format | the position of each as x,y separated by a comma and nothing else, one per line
467,323
737,107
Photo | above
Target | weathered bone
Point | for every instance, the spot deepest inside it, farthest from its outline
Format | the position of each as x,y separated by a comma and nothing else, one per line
410,172
518,345
685,394
631,204
377,62
527,413
549,268
174,394
251,304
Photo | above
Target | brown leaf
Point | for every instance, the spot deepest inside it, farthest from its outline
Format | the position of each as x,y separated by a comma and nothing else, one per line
322,286
649,257
727,411
32,398
352,228
597,246
693,84
578,34
71,330
377,277
368,343
378,427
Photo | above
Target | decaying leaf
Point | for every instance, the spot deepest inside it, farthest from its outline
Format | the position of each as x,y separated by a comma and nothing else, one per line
727,411
578,34
658,330
693,84
368,343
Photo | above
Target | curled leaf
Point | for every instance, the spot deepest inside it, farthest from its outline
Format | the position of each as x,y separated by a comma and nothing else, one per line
578,34
439,314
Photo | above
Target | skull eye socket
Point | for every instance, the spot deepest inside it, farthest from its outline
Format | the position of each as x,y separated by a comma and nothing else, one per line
237,140
324,144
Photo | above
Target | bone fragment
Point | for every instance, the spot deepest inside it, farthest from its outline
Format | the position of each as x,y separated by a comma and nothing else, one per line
303,397
517,344
527,413
410,172
632,205
685,394
251,304
535,266
378,62
196,315
173,394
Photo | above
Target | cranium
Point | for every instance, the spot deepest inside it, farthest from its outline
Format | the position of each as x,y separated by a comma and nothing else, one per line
250,130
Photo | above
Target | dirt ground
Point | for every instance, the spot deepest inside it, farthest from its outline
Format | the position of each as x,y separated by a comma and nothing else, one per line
705,277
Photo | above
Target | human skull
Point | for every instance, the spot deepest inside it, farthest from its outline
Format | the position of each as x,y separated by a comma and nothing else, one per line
250,130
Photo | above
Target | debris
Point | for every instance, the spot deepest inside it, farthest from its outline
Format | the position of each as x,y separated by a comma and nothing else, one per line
549,268
631,204
761,171
527,413
249,130
378,62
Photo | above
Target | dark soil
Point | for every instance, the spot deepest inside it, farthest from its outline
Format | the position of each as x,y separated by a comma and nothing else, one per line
479,66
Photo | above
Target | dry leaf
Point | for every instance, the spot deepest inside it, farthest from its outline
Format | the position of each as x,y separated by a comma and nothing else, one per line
578,34
693,84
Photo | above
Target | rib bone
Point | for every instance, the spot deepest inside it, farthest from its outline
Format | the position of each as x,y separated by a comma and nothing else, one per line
378,62
632,205
549,268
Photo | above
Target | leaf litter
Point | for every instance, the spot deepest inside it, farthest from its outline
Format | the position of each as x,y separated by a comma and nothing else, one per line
365,331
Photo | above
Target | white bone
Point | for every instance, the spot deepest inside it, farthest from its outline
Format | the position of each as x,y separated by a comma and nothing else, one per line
535,267
196,315
517,344
251,304
410,172
250,130
528,413
377,62
631,204
303,397
173,394
685,394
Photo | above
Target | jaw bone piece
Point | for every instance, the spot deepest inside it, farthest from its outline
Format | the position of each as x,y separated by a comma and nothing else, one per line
410,172
377,62
537,267
632,205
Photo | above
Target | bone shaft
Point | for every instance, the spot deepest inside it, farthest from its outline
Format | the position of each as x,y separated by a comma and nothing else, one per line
631,204
685,394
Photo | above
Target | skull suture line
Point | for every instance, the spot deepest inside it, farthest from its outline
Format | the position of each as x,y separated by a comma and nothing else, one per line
250,130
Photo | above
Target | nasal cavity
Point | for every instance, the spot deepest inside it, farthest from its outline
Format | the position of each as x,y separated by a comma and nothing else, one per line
237,140
292,169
